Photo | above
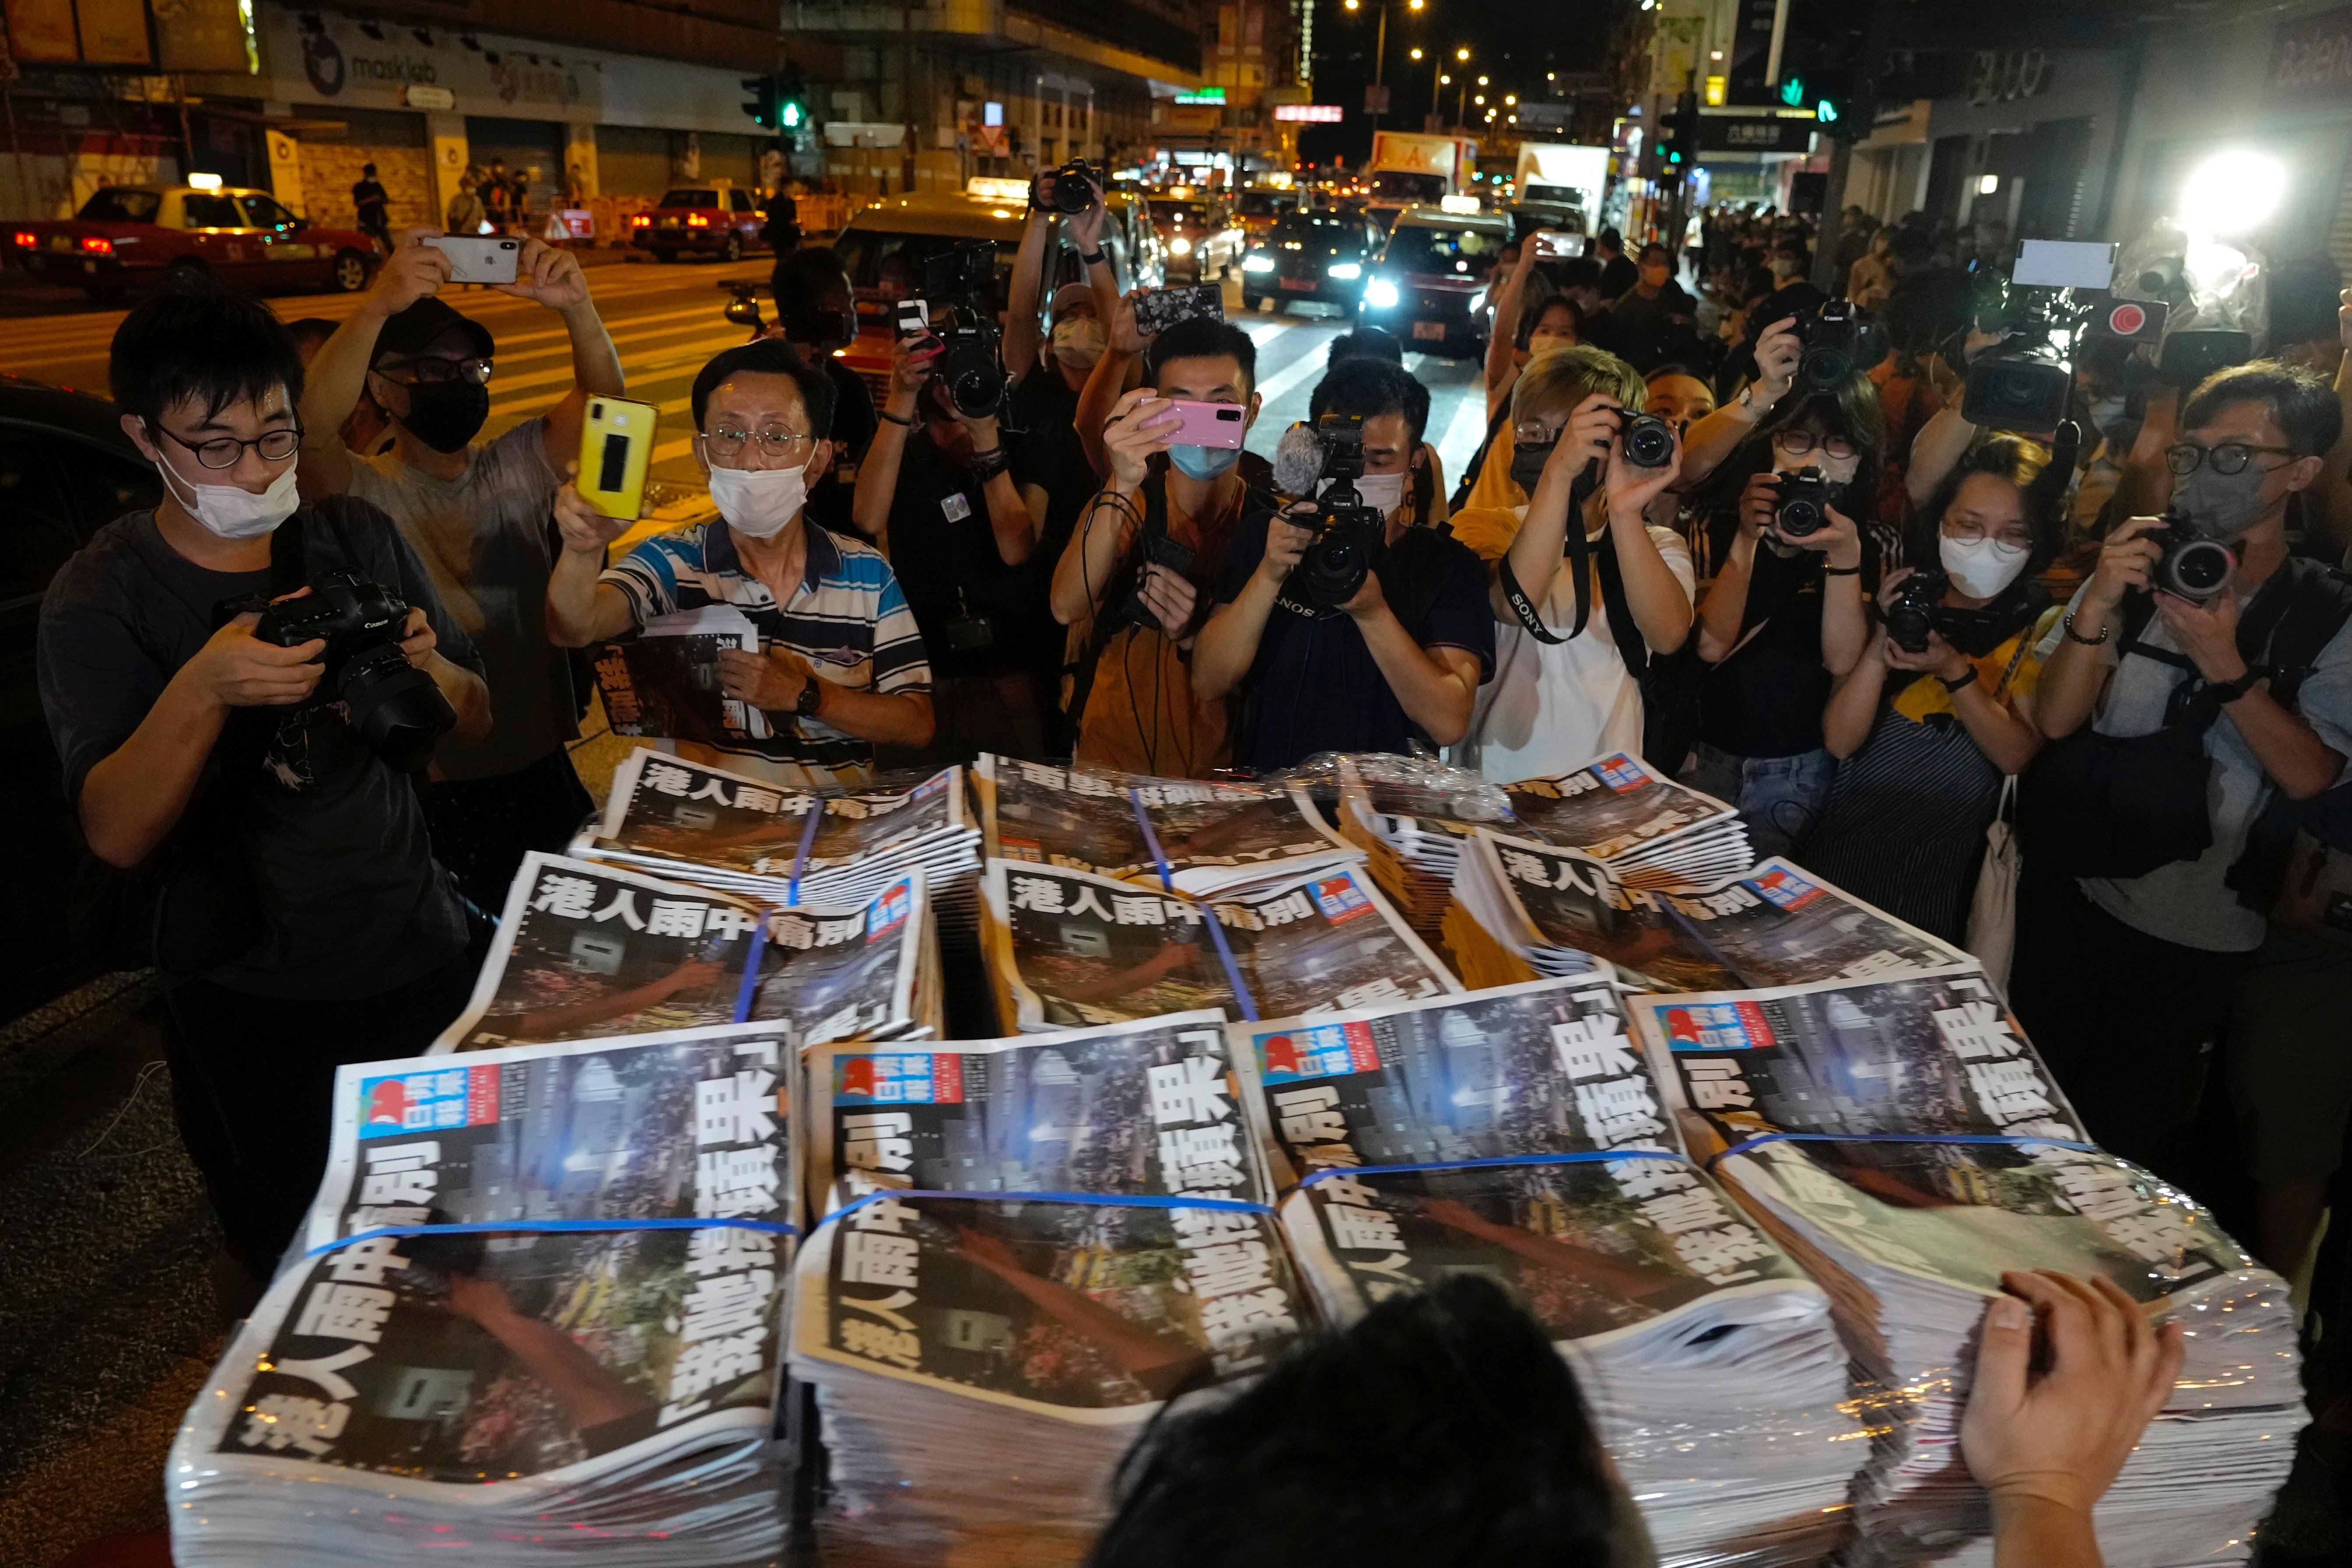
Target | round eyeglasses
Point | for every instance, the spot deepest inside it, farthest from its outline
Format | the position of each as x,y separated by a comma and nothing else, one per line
1797,443
436,370
724,446
2229,457
227,451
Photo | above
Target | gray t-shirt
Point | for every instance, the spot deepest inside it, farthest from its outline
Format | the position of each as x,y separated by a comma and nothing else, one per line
483,538
353,902
2187,902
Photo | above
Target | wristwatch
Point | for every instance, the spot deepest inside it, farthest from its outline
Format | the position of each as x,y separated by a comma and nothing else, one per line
987,464
1091,258
1955,684
811,697
2230,691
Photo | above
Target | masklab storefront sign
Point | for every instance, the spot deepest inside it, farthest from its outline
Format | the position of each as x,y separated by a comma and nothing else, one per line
338,62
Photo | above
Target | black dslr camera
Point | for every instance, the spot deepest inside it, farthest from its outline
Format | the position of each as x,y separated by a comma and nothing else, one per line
1917,610
959,288
1649,441
1804,508
1349,535
1830,341
2192,567
390,704
1071,187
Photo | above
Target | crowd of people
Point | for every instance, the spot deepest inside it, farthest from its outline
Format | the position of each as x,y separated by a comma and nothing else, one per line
1826,598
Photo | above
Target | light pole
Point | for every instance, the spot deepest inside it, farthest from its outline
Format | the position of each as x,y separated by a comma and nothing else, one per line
1381,45
1462,98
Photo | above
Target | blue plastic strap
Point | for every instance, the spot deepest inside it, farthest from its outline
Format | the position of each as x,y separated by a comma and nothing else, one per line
800,856
507,1227
1241,997
1746,1144
1588,1156
750,988
1109,1200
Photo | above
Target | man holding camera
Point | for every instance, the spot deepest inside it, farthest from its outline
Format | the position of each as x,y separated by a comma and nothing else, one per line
937,485
2182,731
230,766
1348,633
1135,580
475,514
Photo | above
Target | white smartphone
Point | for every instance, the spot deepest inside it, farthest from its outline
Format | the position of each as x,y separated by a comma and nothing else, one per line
477,259
2064,263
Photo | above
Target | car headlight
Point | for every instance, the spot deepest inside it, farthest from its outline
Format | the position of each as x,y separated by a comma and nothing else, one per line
1257,263
1380,294
1345,269
1180,245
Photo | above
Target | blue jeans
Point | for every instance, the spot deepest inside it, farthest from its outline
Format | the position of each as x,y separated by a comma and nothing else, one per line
1779,798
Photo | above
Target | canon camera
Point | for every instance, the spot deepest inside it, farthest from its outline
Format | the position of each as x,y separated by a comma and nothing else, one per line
392,705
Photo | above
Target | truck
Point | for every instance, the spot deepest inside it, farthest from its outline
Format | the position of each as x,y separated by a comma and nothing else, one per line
1556,179
1417,171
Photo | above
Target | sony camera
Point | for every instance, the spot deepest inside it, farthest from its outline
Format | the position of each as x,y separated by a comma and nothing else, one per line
390,704
1916,610
1349,535
1649,441
1804,508
1071,187
2193,566
960,311
1829,342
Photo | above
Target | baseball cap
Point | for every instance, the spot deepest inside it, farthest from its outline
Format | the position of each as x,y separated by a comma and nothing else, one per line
1067,295
409,333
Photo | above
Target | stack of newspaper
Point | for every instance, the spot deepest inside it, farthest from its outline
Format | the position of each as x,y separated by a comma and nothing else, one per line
1410,817
576,1353
663,683
869,972
1903,1141
1516,1133
1180,834
1069,948
1652,832
1522,909
982,1354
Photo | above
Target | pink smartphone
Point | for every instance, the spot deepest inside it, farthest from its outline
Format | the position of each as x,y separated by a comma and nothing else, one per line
1206,424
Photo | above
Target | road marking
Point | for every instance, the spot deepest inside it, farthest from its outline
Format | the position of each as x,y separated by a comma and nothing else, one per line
1465,432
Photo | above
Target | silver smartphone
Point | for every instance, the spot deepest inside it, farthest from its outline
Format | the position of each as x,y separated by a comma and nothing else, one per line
483,259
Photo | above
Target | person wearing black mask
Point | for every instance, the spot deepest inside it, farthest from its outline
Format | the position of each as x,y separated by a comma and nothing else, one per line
477,515
816,312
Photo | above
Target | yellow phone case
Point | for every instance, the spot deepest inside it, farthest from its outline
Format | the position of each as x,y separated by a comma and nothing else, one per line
616,442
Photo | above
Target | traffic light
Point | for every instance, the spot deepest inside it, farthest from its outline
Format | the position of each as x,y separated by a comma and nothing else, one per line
1678,142
763,106
1837,104
791,103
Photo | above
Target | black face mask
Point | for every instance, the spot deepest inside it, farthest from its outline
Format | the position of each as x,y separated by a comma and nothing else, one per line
812,324
1527,466
445,415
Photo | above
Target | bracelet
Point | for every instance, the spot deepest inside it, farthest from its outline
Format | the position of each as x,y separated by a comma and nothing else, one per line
987,464
1091,258
1828,571
896,419
2067,626
1958,684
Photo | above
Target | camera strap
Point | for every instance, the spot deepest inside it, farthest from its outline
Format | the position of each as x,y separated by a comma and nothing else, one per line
1580,556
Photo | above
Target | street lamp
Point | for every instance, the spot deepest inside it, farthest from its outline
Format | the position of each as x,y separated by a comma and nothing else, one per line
1381,44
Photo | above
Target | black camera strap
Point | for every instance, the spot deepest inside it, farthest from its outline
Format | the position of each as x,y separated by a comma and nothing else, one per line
1578,550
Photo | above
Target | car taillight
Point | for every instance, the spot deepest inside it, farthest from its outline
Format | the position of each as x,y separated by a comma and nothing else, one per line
27,239
695,220
641,221
98,245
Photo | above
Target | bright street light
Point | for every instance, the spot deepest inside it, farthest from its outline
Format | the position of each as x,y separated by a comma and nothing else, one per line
1480,99
1416,54
1461,54
1482,81
2231,192
1445,81
1511,97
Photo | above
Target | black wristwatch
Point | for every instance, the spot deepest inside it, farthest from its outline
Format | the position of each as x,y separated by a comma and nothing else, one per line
989,464
1955,684
1091,258
810,699
2230,691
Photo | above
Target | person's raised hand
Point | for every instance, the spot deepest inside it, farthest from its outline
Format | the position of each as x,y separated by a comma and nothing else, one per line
414,271
2054,1442
237,669
1776,352
548,275
1632,487
1368,601
1125,336
1170,598
1758,504
1087,226
582,526
1839,539
2125,562
1941,659
1592,428
1287,541
1140,424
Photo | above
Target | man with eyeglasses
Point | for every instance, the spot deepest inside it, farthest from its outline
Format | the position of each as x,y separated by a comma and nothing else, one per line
841,665
476,513
270,862
2220,718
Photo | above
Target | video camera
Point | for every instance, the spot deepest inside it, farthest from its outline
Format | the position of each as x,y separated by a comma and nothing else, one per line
958,312
1349,535
393,706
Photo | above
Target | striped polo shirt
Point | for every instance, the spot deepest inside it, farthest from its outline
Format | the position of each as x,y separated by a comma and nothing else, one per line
849,619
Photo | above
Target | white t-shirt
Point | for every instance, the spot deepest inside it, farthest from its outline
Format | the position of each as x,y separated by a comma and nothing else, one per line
1552,707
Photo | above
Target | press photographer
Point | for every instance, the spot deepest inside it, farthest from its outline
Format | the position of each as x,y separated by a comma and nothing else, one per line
1341,626
235,681
1135,581
937,486
2176,724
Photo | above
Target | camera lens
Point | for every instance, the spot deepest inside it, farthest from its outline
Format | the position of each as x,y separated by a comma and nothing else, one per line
1823,368
1071,193
2198,569
1799,518
395,707
1649,442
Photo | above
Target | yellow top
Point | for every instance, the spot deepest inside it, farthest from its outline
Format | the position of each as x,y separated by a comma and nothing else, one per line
1929,694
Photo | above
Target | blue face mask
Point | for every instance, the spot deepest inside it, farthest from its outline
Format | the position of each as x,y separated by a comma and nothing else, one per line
1203,462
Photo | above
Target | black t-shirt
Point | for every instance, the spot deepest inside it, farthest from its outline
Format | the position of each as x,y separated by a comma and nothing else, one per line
1617,275
1313,686
368,197
854,425
945,555
1046,452
354,901
1766,700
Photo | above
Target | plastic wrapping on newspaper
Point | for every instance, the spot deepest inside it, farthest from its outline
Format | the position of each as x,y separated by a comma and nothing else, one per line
1183,834
1902,1140
1029,1246
1518,1133
852,974
538,1304
1068,949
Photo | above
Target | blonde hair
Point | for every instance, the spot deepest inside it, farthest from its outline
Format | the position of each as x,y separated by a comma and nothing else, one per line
1558,381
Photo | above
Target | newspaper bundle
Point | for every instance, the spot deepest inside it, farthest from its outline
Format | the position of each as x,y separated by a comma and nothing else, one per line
983,1355
1068,947
1522,909
863,973
586,949
590,1366
1410,817
1183,835
1932,1150
1652,832
1517,1133
663,684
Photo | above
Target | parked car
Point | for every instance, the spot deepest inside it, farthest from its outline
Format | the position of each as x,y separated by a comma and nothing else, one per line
719,220
1429,286
132,236
67,470
1312,256
1203,239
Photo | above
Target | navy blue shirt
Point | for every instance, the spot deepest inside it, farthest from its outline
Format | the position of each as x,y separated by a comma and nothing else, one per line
1314,686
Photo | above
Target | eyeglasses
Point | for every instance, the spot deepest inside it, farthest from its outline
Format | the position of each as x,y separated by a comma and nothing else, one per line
227,451
2229,457
1536,433
435,370
1972,529
724,446
1797,443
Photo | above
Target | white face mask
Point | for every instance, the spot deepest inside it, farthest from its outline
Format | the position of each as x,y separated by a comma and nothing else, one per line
1080,341
1981,568
232,511
1385,492
760,503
